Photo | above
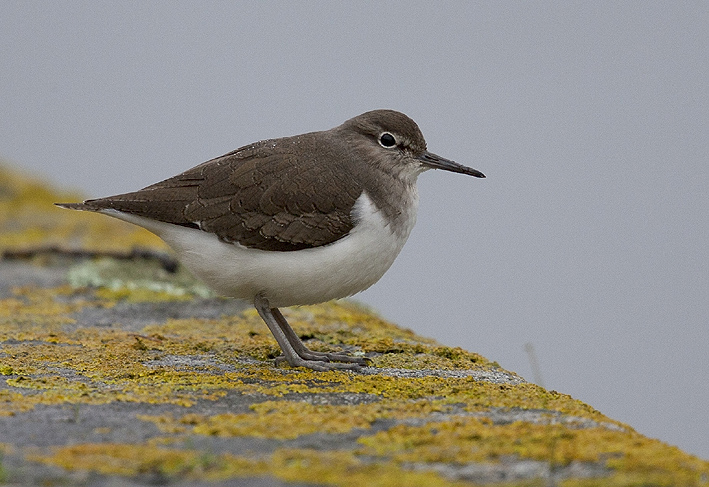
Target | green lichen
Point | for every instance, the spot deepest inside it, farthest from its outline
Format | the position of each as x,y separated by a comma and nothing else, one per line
139,280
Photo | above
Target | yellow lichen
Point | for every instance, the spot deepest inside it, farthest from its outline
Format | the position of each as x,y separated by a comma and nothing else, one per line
129,460
635,459
119,365
291,419
47,359
336,468
29,220
343,468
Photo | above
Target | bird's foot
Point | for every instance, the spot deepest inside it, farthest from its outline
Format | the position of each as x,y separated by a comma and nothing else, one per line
295,353
323,361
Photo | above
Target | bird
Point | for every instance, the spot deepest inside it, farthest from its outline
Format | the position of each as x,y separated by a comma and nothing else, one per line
292,221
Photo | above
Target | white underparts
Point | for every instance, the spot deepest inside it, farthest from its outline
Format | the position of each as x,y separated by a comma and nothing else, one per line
308,276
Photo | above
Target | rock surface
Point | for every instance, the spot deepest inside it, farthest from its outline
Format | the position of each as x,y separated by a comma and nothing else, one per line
117,368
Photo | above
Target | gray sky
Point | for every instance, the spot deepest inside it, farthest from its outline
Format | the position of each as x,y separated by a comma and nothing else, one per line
591,120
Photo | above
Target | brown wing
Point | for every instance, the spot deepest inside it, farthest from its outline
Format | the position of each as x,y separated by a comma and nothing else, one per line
262,196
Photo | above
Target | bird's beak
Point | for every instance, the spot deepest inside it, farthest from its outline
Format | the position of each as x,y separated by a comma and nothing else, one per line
433,161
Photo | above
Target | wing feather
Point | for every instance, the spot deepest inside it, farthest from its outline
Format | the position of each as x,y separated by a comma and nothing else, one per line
262,196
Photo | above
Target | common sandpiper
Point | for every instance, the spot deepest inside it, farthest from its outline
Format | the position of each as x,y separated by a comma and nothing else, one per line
292,221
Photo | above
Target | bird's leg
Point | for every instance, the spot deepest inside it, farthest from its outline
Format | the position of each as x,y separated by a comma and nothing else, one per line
289,352
305,352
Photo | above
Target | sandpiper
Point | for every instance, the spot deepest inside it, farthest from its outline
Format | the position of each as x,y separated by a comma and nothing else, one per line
292,221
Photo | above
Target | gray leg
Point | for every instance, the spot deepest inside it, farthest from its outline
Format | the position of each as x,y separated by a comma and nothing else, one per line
283,337
305,352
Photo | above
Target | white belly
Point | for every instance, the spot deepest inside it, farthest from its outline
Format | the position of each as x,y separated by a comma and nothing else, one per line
301,277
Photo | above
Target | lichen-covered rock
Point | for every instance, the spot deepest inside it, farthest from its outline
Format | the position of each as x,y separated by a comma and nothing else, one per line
114,364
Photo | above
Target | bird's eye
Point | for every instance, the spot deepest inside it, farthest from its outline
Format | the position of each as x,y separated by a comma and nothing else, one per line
387,140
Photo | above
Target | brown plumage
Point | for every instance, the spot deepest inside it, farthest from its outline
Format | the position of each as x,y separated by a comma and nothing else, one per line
317,216
281,194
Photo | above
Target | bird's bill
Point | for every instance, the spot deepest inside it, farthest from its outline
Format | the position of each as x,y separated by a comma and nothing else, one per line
434,161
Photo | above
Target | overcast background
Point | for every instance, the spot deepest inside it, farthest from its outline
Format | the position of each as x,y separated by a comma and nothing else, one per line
588,238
